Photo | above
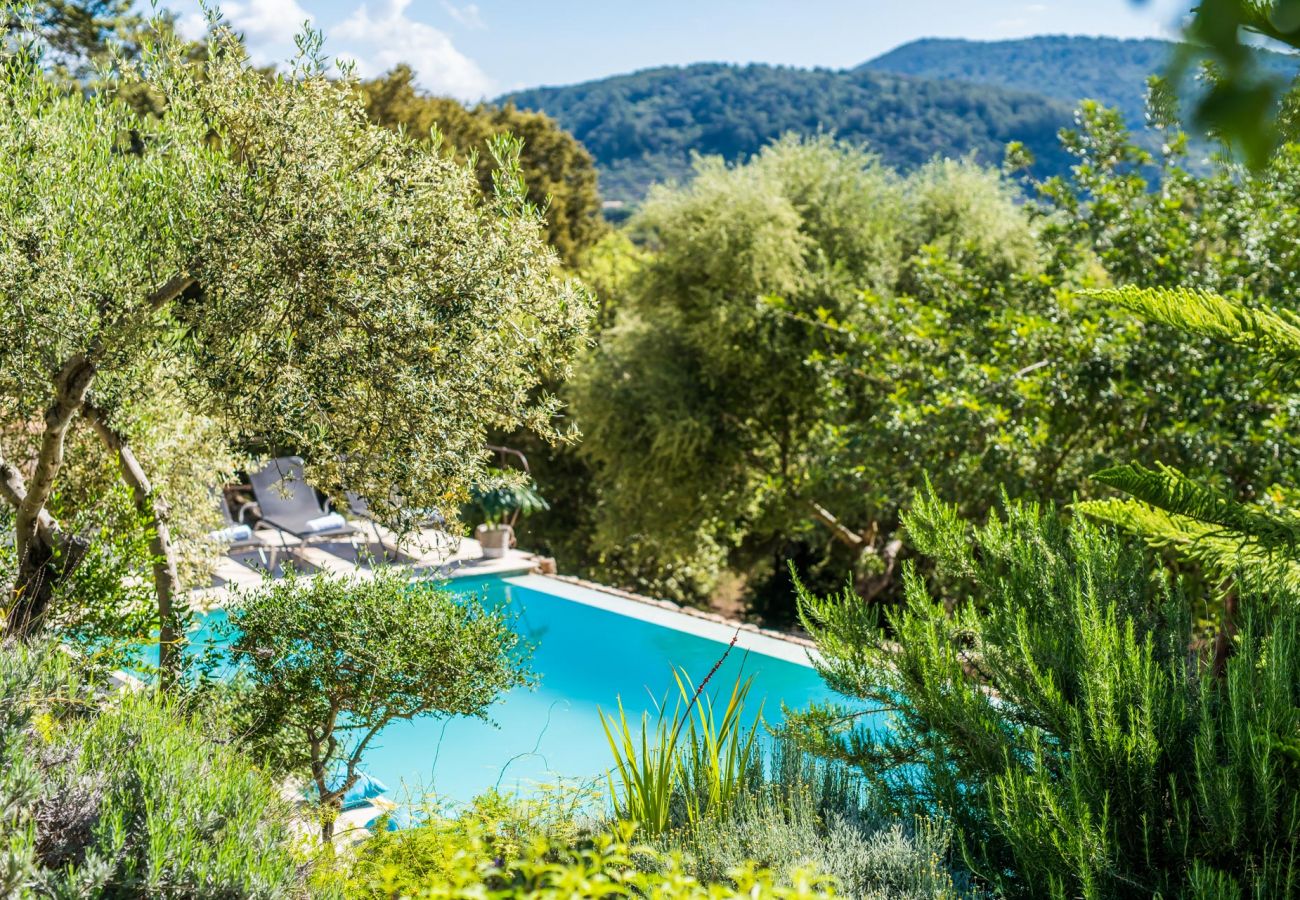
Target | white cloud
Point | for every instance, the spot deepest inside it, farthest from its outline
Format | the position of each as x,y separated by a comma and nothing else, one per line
268,26
380,40
192,26
1036,8
467,15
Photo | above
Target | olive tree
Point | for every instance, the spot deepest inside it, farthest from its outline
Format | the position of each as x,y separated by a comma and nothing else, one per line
299,276
807,333
327,662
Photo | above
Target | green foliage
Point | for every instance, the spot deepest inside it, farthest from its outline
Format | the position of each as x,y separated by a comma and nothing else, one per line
1247,104
718,754
1167,508
608,864
122,796
1052,709
644,127
802,811
557,170
326,662
503,498
440,845
1205,407
711,794
806,336
78,34
691,759
268,259
1274,334
647,766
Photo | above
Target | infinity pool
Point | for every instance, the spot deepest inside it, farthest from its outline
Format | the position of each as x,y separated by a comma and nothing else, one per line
591,648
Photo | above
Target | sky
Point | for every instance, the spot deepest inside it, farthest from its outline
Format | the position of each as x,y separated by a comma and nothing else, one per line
475,49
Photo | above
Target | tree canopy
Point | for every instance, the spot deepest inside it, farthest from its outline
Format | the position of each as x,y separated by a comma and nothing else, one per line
265,255
808,333
326,662
557,170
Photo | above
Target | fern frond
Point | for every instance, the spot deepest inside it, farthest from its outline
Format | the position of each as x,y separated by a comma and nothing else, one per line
1275,334
1214,547
1169,490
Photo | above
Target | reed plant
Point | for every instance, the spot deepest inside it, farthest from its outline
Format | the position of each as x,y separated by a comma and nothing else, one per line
717,759
646,768
688,756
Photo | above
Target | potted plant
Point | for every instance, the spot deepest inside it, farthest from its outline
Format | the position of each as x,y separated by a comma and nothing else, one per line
500,502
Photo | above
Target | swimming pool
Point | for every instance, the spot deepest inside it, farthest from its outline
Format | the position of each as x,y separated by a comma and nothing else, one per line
591,648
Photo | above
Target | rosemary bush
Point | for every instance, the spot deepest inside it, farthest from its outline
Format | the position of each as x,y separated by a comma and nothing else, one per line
1058,710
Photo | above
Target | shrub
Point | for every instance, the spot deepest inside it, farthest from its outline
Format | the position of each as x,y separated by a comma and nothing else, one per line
808,813
124,797
1058,712
692,758
472,856
498,825
328,661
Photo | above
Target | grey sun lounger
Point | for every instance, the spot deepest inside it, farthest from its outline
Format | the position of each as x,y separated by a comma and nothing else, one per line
360,507
289,503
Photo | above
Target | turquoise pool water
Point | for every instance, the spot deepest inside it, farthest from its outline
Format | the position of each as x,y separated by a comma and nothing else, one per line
589,652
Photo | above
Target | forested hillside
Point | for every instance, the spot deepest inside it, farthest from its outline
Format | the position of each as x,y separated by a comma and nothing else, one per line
930,97
1066,68
643,127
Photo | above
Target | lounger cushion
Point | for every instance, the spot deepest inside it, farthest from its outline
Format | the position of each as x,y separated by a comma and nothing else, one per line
329,522
232,535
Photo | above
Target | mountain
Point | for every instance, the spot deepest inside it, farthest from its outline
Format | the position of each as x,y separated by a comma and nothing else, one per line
1065,68
643,127
930,97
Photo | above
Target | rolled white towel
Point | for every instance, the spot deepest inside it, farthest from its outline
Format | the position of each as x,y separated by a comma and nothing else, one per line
330,522
232,534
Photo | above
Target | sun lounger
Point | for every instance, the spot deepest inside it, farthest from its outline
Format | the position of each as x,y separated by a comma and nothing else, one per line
288,503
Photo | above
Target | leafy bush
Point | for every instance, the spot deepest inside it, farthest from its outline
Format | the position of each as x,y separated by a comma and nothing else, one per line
1057,711
124,797
480,855
498,825
502,497
804,812
329,661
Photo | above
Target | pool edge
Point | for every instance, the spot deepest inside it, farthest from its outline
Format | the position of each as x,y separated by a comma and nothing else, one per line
780,645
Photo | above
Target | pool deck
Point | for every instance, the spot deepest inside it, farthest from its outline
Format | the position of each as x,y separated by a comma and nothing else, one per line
432,552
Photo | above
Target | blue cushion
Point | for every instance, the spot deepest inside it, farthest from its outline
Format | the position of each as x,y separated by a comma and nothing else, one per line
363,790
397,820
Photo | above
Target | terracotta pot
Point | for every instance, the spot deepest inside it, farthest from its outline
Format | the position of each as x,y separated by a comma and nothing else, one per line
494,539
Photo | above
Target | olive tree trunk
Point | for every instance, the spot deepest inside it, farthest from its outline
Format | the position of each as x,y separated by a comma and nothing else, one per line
153,510
44,555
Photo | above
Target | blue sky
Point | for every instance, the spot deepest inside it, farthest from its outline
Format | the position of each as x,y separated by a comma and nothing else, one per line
480,48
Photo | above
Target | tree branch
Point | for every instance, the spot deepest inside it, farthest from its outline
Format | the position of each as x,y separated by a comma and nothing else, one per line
842,532
175,287
14,491
870,587
70,387
154,509
865,545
